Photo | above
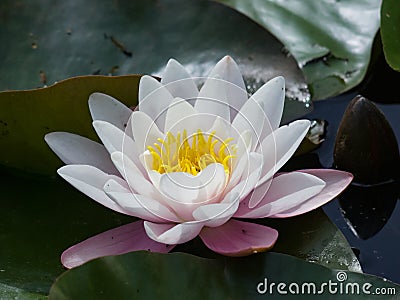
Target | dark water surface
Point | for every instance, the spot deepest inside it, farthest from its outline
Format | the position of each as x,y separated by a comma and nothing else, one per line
369,218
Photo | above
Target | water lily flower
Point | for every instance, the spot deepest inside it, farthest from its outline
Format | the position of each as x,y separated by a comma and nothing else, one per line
190,162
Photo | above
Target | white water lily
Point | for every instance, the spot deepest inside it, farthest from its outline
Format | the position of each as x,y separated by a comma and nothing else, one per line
190,163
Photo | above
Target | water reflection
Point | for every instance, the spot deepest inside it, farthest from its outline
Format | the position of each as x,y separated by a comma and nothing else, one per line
367,209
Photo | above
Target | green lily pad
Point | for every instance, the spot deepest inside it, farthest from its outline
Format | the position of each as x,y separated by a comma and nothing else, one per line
123,37
12,293
44,217
390,32
26,116
331,40
144,275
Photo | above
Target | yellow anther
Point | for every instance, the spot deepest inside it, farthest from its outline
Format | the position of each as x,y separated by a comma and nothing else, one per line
193,154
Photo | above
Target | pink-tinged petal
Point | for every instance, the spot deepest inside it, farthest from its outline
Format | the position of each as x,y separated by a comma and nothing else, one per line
249,179
106,108
236,238
138,205
90,181
279,146
137,183
154,99
336,181
111,136
178,81
216,214
115,139
272,96
173,234
145,131
186,188
285,192
77,150
124,239
185,192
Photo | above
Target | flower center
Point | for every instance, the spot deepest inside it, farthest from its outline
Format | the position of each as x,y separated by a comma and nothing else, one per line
191,154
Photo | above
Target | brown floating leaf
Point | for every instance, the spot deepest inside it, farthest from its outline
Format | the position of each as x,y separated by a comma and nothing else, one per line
365,144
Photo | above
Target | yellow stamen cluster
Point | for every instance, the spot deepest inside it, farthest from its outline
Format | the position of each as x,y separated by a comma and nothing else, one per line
191,154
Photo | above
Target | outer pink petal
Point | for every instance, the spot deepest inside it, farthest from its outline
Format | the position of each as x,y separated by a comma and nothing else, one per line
237,238
336,181
285,192
124,239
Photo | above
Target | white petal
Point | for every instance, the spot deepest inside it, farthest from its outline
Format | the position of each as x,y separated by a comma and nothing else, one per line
213,180
180,187
243,143
192,124
78,150
154,99
147,160
90,181
279,146
145,131
213,98
231,88
178,82
271,96
251,118
239,171
178,109
173,233
249,182
138,205
248,164
222,128
106,108
186,188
